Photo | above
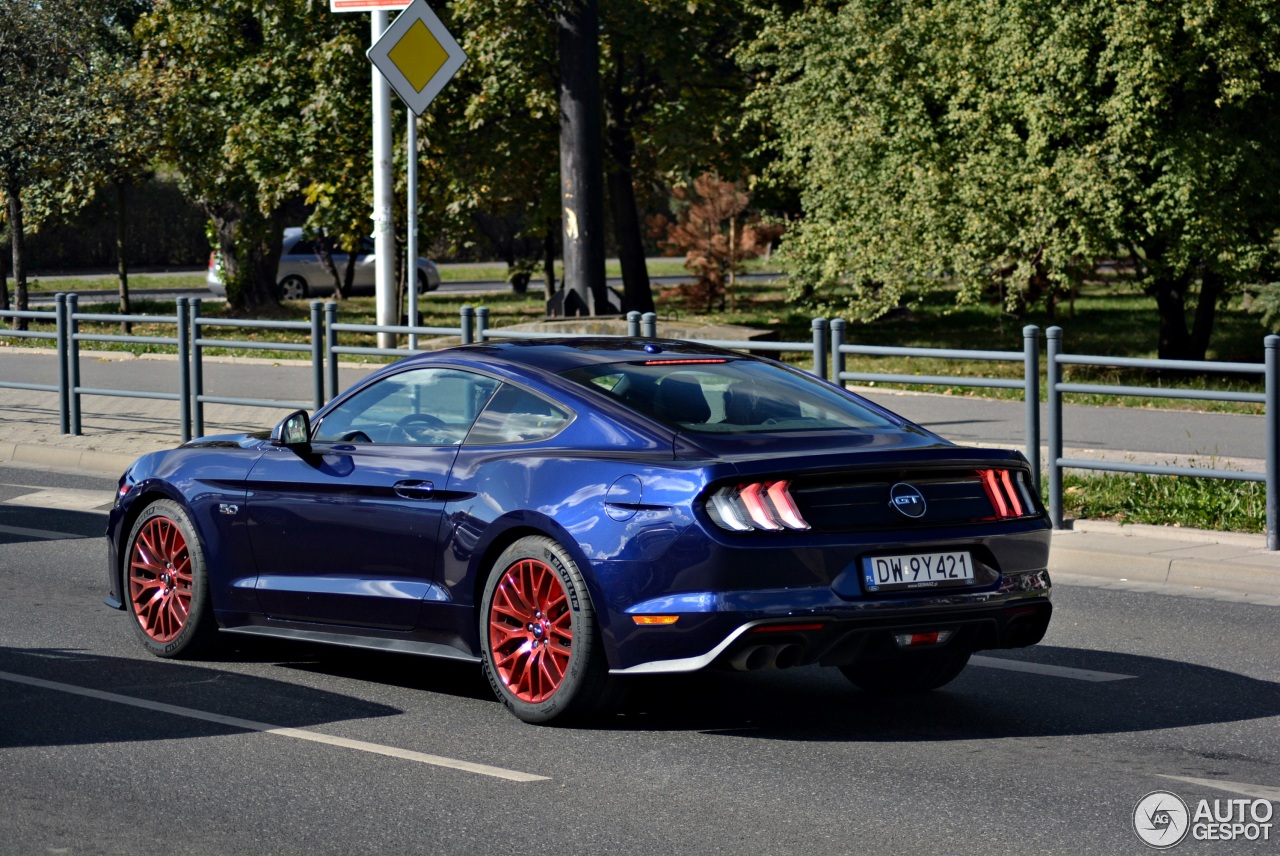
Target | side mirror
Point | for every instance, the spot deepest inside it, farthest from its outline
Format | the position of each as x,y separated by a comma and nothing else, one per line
294,431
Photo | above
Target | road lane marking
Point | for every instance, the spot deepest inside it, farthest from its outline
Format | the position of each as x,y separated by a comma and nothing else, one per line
297,733
43,534
1258,791
1045,669
65,499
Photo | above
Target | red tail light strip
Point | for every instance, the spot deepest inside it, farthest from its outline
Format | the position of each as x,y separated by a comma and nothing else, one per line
1006,479
1003,493
766,506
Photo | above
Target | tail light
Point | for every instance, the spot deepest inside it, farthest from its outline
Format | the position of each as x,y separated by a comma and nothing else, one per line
1008,492
759,506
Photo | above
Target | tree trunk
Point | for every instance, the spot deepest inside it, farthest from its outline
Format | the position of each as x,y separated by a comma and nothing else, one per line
4,283
19,262
1176,343
1211,288
324,251
549,259
581,166
349,274
637,293
250,281
122,260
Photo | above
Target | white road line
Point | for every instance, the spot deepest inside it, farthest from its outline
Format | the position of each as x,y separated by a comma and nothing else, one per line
1044,669
65,499
1257,791
45,534
298,733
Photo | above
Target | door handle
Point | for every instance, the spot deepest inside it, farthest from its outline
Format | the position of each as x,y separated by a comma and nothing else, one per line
414,489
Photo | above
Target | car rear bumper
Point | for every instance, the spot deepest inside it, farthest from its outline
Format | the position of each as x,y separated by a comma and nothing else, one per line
805,626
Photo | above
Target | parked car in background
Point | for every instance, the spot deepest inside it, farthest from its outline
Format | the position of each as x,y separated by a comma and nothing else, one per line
301,273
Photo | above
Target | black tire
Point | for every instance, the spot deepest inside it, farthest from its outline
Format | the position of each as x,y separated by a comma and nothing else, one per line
916,672
424,282
539,637
166,585
293,287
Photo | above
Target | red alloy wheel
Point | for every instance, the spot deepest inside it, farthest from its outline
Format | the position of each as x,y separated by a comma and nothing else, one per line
160,579
531,631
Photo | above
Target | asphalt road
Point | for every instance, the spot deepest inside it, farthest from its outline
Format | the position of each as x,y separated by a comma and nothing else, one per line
277,748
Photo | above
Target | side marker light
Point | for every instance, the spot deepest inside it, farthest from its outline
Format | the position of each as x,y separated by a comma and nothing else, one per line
655,620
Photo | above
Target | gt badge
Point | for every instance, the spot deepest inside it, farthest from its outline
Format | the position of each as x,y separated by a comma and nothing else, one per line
907,500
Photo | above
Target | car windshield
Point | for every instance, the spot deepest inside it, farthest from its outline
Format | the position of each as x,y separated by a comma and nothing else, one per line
728,396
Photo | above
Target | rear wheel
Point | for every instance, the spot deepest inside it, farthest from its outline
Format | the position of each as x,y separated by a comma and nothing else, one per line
293,287
539,636
168,588
917,672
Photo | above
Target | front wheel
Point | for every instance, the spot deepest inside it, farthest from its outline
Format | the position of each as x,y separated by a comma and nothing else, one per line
539,637
916,672
168,588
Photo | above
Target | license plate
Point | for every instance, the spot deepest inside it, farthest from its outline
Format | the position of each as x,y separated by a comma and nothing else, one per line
917,571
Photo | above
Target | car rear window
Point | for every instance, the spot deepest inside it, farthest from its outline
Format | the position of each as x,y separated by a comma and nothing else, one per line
728,396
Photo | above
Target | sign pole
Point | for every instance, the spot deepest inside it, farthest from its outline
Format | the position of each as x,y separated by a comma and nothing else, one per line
411,242
384,236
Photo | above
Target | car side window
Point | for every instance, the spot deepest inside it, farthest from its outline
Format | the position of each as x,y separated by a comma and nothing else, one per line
515,415
420,407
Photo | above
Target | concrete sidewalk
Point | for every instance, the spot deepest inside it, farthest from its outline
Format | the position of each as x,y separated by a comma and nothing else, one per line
1177,561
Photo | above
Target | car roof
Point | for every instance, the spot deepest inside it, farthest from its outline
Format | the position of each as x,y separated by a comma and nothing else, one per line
561,355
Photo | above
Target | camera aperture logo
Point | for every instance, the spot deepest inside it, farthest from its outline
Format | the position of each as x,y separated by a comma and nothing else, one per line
1161,819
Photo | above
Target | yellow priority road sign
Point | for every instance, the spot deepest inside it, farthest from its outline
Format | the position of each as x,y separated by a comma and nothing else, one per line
417,56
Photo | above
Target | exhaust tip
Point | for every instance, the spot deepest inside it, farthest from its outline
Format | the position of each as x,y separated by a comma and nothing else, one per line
788,656
753,659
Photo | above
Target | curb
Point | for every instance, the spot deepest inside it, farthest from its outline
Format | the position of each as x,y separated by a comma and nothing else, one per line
1191,559
86,462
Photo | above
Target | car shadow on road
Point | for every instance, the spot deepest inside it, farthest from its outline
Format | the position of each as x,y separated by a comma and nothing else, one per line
42,716
816,704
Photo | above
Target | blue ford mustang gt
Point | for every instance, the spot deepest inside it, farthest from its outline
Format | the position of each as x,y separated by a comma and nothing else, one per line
570,512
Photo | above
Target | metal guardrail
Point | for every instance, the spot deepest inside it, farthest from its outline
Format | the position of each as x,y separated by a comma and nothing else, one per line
1270,398
829,344
58,337
70,320
1029,356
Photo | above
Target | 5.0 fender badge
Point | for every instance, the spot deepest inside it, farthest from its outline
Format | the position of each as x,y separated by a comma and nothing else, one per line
907,500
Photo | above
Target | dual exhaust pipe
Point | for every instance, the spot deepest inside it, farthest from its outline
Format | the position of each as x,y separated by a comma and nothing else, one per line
756,657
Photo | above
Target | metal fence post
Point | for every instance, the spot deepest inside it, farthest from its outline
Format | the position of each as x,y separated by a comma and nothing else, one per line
1031,396
64,373
317,354
468,324
197,371
184,369
331,342
1271,343
649,325
633,324
820,347
73,364
1053,340
837,355
482,323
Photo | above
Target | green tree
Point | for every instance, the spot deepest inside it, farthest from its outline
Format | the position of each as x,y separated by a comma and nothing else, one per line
253,99
671,94
48,96
1019,141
